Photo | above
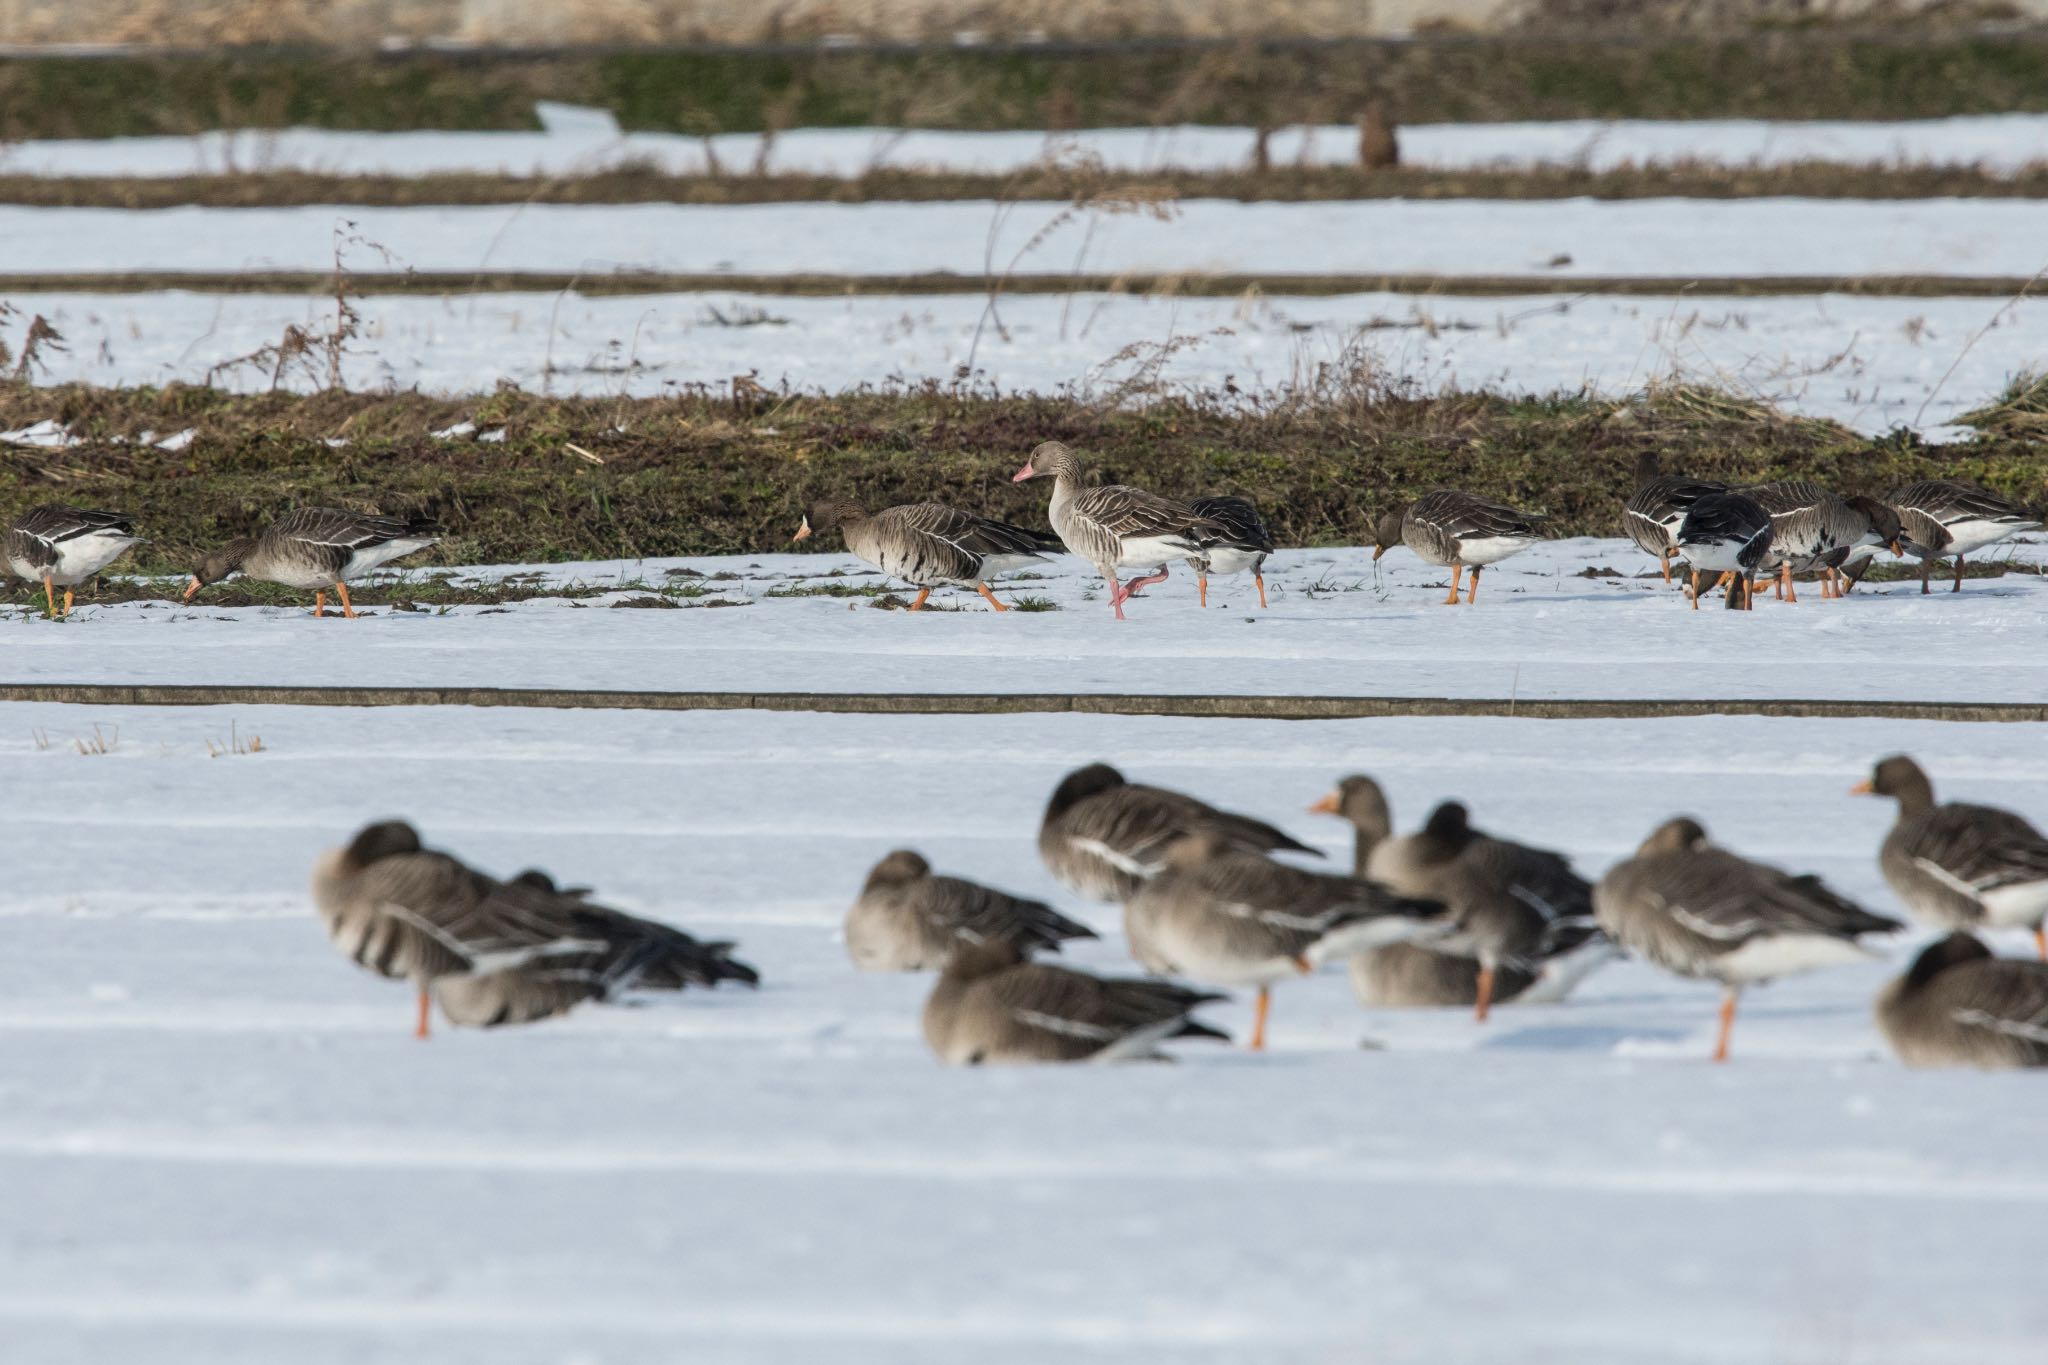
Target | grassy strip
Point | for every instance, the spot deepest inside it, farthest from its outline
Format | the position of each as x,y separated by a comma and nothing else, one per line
1814,72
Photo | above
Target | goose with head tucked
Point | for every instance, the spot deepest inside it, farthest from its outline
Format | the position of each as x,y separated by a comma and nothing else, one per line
1458,530
1960,1006
1652,514
909,919
1944,518
61,546
930,545
1727,534
318,549
1252,543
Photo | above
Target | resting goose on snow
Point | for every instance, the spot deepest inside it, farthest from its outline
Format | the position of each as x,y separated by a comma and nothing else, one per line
1252,543
1104,836
1703,912
1458,530
1960,1006
1942,517
1727,534
1958,866
909,920
1232,918
62,546
318,549
992,1006
929,545
1652,514
1812,530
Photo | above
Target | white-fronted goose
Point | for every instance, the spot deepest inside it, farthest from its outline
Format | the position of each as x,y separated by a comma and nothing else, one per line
1115,527
1960,1006
1458,530
992,1006
930,545
1812,530
1253,542
1944,517
1882,533
1104,836
1703,912
318,549
61,546
1231,918
1726,534
908,920
1652,514
1958,866
1538,961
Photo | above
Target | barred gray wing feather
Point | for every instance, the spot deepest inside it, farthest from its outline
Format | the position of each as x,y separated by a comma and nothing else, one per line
982,912
1981,845
1239,520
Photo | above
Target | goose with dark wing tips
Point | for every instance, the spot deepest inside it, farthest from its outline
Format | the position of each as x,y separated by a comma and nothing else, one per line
1700,911
1727,534
908,919
61,546
1458,530
991,1006
1652,514
1959,866
1960,1006
930,545
1882,533
318,549
1940,518
1812,530
1253,542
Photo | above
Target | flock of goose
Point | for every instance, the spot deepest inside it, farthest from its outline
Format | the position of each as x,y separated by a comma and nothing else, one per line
1446,916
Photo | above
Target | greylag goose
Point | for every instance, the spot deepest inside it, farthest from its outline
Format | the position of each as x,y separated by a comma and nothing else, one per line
1728,534
992,1006
1812,530
1458,530
62,546
1703,912
1960,1006
1958,866
1253,542
1219,915
1653,512
1114,527
908,920
318,549
1545,967
1942,517
929,545
1104,836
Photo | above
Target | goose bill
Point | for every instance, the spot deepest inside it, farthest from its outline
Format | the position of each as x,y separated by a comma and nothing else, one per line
190,589
1027,472
803,532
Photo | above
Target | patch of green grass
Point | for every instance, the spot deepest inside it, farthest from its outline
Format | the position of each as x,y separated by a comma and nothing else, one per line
1033,604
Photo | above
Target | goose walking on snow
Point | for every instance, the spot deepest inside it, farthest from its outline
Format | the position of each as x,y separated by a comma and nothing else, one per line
1253,543
318,549
1652,514
929,545
1812,530
62,546
1726,534
908,919
1942,517
1960,1006
1458,530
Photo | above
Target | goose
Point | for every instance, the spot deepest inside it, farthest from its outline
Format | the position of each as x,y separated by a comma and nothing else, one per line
1883,533
1653,512
1103,836
1958,866
908,920
1960,1006
929,545
1114,527
318,548
1700,911
61,546
1253,543
1944,517
1231,918
1544,968
1458,530
991,1005
1728,534
1811,530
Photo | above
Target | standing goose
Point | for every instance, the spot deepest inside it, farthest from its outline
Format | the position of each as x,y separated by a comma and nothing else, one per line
1728,534
908,920
1942,517
318,549
1219,915
1959,866
1811,530
62,546
928,544
1114,527
1458,530
1883,533
1703,912
1104,836
992,1006
1960,1006
1653,512
1252,543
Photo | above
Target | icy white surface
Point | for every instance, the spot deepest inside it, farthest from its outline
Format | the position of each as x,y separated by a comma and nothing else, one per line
1568,238
1335,628
1870,363
220,1145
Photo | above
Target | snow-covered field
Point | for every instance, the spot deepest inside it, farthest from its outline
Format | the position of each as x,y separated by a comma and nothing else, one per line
220,1144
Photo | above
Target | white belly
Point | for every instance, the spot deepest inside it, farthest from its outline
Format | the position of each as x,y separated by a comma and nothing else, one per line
1151,552
83,556
1715,556
1491,549
1224,561
1966,537
2019,906
377,556
1764,959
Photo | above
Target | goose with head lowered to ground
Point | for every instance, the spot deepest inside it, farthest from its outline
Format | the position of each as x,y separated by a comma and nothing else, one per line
61,546
930,545
318,549
1458,530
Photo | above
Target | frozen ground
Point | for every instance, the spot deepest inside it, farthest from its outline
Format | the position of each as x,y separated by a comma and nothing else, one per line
1568,238
1870,363
220,1144
1541,629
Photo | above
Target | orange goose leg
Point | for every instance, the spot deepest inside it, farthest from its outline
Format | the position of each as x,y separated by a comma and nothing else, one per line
922,593
1472,590
67,601
1485,1001
1959,575
50,596
320,602
348,608
1695,594
1202,587
1727,1025
1664,563
1259,580
420,1029
982,588
1259,1012
1457,577
2041,941
1791,593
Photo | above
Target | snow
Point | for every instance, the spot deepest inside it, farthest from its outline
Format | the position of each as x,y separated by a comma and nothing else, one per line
1870,363
1570,238
1336,628
220,1144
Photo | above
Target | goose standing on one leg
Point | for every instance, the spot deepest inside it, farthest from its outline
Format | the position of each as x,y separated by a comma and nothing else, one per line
1459,531
62,546
928,544
907,919
1254,543
318,549
1960,1006
1652,514
1728,534
1944,517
